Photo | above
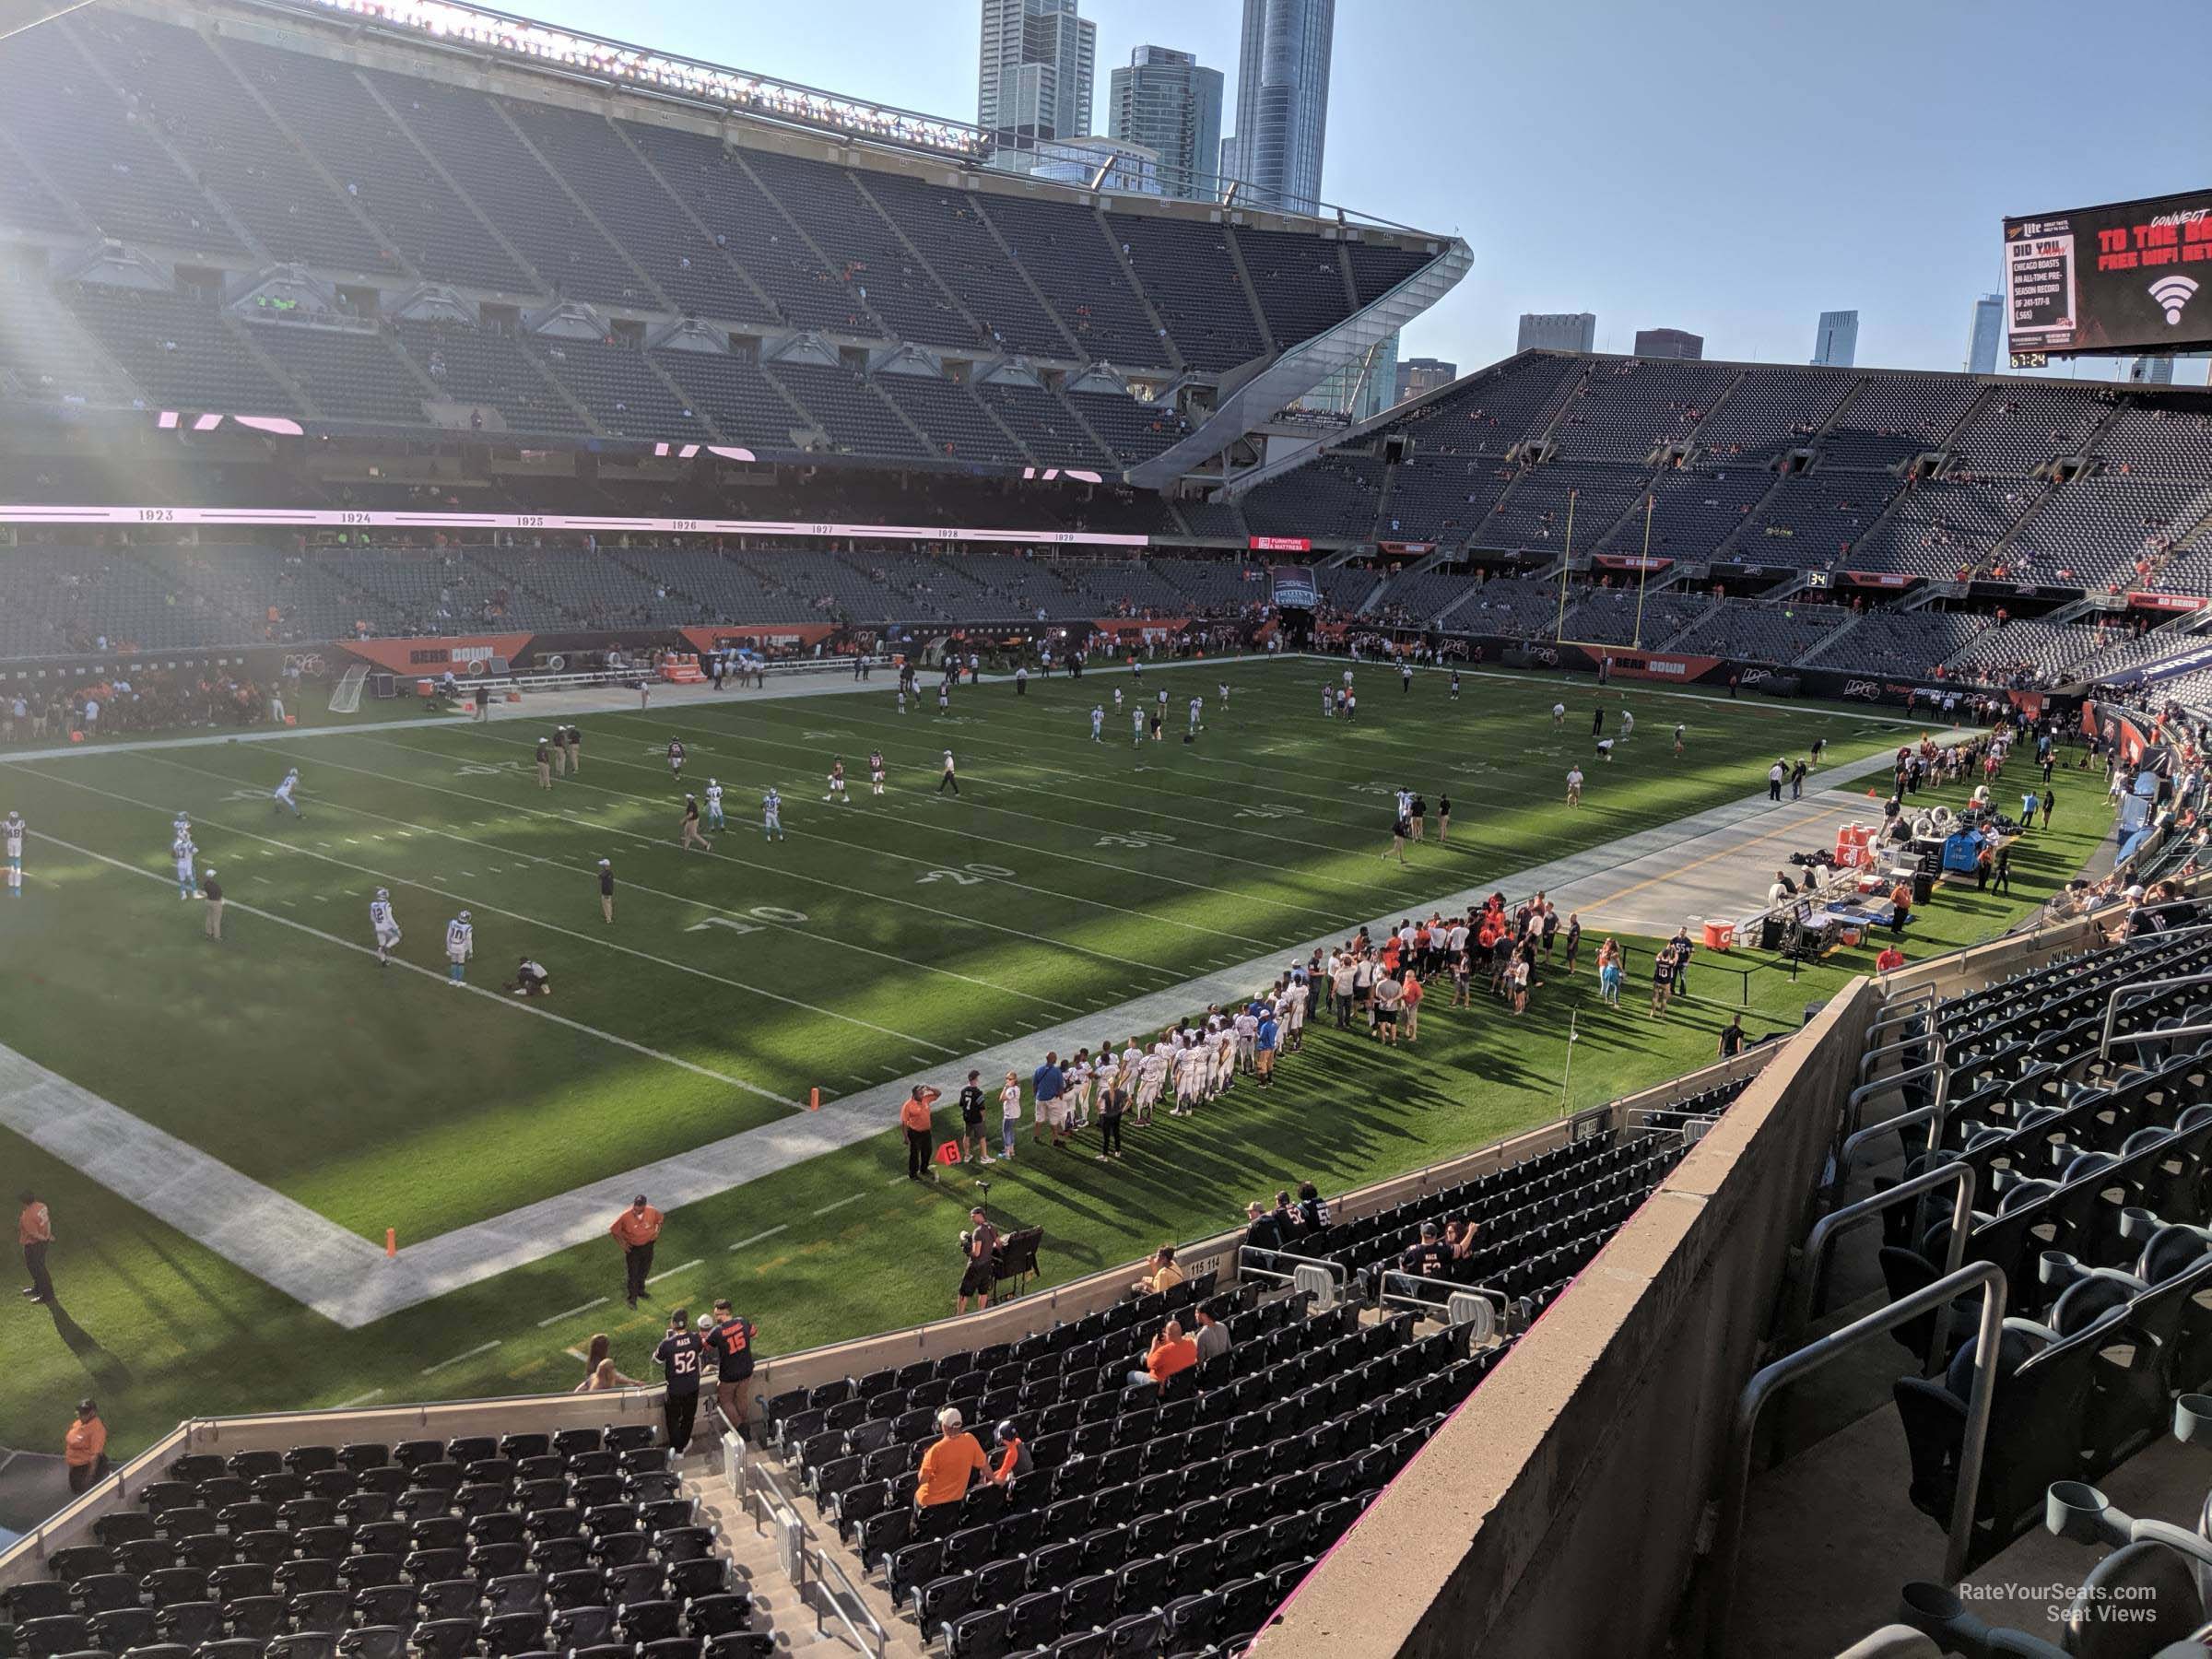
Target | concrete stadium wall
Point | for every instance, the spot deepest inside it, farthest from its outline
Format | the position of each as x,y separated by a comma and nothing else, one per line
1557,1515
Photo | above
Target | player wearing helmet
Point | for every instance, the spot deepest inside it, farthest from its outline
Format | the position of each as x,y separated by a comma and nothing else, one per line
385,924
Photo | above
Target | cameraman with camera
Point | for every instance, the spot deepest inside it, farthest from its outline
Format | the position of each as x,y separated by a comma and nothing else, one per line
979,1245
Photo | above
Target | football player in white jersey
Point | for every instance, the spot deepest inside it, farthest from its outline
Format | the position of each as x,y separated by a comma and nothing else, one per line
1151,1078
1097,723
460,944
283,798
182,853
384,925
713,805
11,847
1137,724
771,816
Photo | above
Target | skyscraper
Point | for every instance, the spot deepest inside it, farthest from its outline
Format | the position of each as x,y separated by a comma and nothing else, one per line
1419,376
1669,342
1282,102
1988,336
1836,342
1170,103
1557,331
2151,371
1036,74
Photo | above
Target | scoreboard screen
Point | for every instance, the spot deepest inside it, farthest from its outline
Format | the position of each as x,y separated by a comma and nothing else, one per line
2126,278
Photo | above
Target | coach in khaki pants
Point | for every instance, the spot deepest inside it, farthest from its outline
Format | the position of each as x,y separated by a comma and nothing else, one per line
212,890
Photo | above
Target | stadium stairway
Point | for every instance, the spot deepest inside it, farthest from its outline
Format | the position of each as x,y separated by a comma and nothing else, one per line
782,1610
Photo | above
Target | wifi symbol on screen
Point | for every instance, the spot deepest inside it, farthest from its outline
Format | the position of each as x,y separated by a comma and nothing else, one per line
2173,292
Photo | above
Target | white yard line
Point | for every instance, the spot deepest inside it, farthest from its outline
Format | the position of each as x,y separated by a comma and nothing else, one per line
584,873
663,843
349,1279
672,1272
521,1005
840,1204
571,1314
482,1347
523,916
996,842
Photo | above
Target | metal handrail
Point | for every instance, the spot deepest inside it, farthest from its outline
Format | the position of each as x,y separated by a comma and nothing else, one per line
1246,1267
1825,1231
1935,1113
1938,1067
1449,1287
1849,1154
839,1597
1867,1060
2157,1036
1904,1006
2112,1003
1736,1470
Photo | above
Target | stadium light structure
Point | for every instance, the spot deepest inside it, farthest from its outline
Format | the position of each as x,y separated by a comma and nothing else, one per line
499,31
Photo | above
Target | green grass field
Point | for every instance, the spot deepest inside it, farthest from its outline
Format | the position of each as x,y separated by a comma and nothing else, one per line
882,938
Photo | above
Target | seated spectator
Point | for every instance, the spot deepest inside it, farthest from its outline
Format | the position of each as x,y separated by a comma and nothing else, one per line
1891,959
952,1460
1165,1275
1014,1461
1263,1229
1312,1209
1172,1353
1427,1257
1213,1336
1459,1238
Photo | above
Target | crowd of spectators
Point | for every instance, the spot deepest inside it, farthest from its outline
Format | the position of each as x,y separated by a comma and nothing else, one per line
137,701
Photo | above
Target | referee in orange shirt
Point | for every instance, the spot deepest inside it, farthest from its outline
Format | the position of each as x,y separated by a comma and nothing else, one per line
34,1232
637,1227
85,1447
913,1118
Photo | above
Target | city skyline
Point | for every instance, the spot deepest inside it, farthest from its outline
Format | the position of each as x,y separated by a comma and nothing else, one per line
1742,254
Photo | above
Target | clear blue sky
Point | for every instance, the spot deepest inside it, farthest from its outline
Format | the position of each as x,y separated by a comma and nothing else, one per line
1731,167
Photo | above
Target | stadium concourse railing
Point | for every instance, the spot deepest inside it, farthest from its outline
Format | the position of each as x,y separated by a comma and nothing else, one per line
1017,1317
1597,1450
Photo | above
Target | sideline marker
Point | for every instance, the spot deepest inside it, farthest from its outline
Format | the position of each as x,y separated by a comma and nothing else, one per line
814,1099
391,1243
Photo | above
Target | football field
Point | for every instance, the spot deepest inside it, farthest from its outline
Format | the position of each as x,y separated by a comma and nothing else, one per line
885,938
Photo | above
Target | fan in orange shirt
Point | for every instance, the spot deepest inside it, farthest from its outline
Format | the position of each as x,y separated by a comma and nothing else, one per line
954,1459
